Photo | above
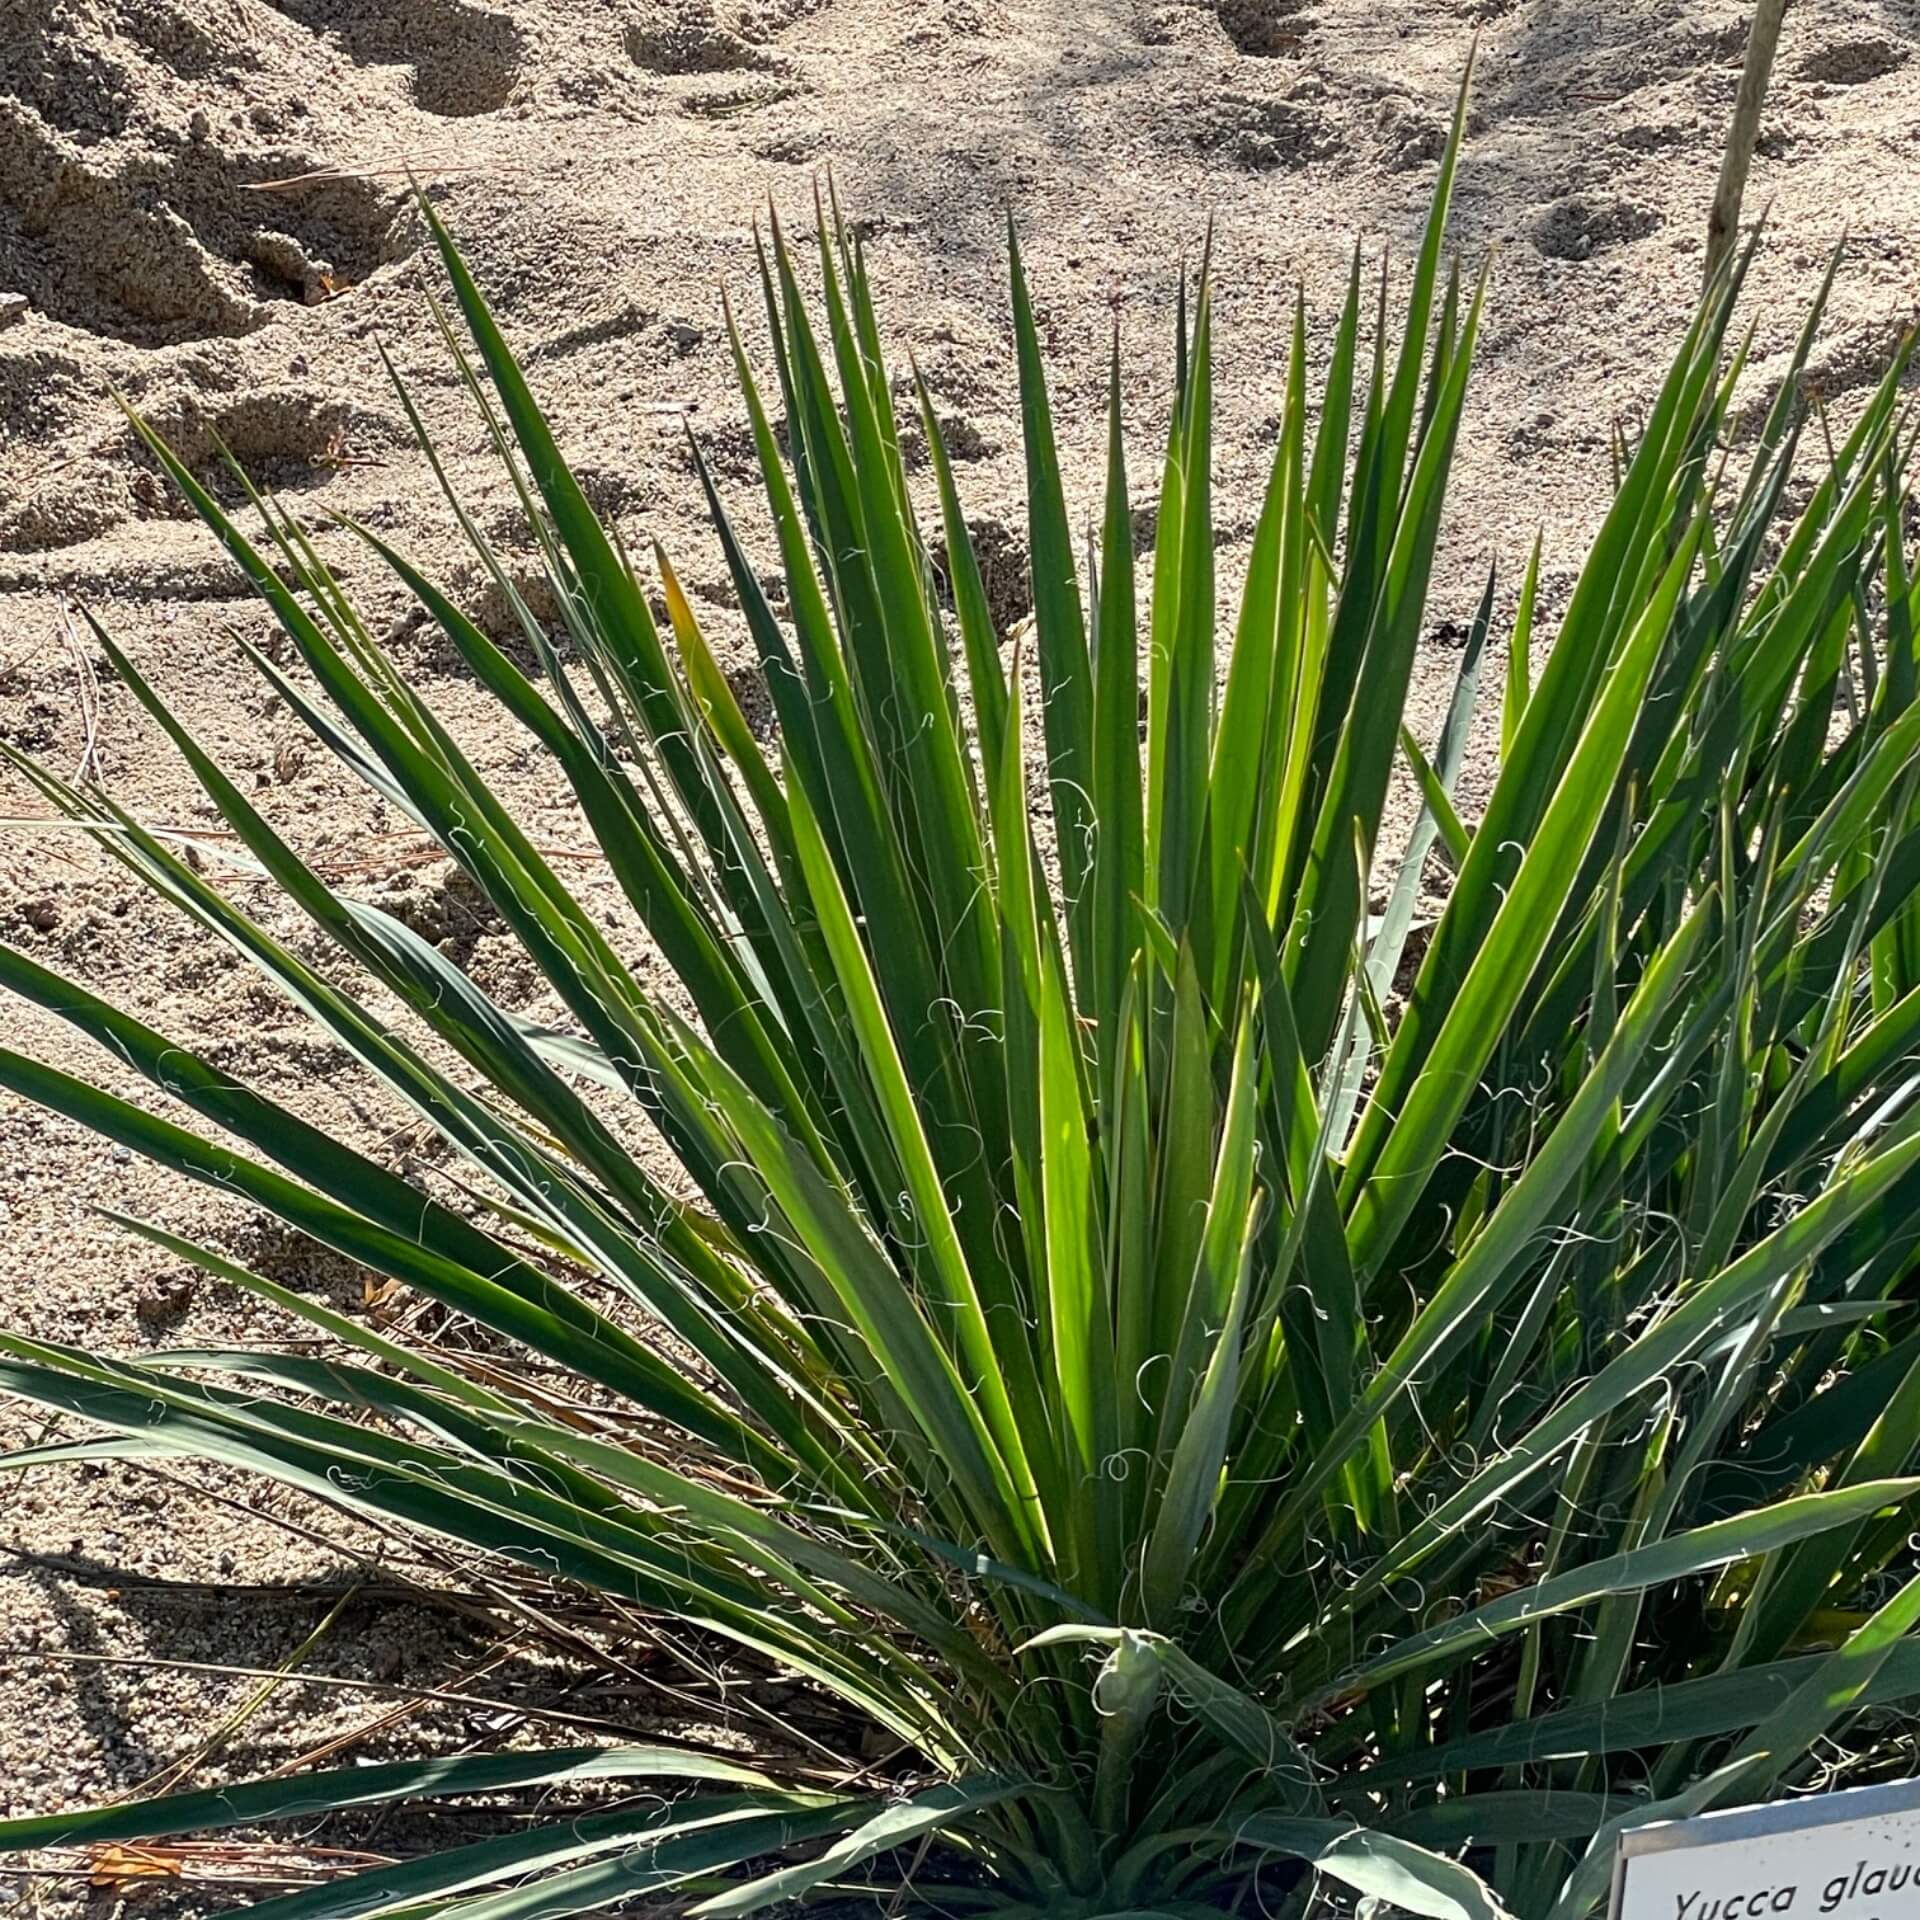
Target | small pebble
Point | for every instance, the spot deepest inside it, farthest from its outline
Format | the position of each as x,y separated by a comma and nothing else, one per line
162,1304
13,306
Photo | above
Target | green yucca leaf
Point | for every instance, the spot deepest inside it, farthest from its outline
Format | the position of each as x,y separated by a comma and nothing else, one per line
650,1833
1378,1866
1718,1544
1119,862
676,1859
1066,675
891,1828
327,1790
1485,997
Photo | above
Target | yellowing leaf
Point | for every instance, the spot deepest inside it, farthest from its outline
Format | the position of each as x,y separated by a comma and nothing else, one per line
122,1869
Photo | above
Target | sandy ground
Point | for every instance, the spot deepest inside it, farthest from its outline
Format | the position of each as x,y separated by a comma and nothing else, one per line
601,161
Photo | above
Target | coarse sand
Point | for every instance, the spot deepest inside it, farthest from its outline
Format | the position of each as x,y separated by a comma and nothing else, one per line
203,203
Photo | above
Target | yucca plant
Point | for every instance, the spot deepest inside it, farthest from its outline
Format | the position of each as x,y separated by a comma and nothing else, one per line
1217,1383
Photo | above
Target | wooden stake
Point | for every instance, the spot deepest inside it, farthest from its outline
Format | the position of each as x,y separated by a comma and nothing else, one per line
1723,224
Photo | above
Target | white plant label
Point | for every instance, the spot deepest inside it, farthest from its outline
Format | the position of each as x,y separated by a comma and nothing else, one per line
1836,1856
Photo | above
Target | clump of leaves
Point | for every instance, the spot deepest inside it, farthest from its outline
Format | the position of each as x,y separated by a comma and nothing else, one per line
1222,1395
